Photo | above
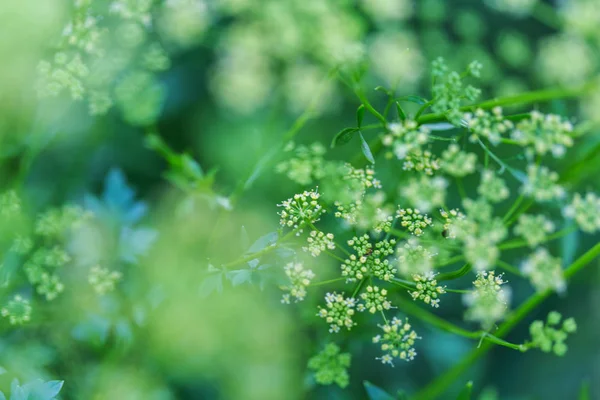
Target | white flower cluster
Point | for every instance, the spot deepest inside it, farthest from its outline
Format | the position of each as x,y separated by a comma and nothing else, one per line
338,311
318,242
458,163
533,228
18,310
450,218
492,187
545,133
375,299
306,165
427,289
405,137
397,341
425,193
544,271
302,209
488,302
414,258
490,125
586,211
541,184
421,161
413,220
103,280
299,279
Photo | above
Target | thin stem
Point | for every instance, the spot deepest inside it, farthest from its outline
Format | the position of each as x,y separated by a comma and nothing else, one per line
514,207
439,386
260,253
448,276
326,282
330,254
508,268
451,261
519,243
358,287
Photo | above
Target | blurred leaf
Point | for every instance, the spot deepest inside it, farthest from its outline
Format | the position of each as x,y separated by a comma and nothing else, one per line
360,113
384,90
401,113
36,390
237,277
366,149
134,243
465,394
376,393
569,245
212,283
413,99
584,391
343,136
262,242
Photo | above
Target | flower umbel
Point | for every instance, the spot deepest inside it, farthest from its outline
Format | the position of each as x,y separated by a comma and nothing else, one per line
427,289
299,279
338,311
397,341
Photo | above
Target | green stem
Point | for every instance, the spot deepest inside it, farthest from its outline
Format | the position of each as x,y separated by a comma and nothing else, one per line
441,384
519,243
448,276
326,282
508,268
260,253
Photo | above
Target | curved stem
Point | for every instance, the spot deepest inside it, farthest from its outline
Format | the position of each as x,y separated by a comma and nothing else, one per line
439,386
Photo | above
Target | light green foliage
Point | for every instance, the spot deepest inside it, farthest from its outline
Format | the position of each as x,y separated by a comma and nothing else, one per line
103,280
425,192
449,90
331,366
551,335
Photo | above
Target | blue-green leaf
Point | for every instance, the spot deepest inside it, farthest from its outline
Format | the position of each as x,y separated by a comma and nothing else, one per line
401,113
465,394
239,276
360,113
376,393
262,242
343,136
212,283
366,149
414,99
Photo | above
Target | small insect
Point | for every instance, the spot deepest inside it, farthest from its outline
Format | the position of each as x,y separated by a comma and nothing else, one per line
369,251
445,233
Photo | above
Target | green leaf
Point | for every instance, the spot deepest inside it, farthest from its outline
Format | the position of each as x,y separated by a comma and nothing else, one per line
584,392
401,113
384,90
366,149
465,394
376,393
343,136
212,283
360,113
440,126
239,276
262,242
413,99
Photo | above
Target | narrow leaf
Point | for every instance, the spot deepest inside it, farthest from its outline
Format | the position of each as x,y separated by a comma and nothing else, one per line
343,136
584,392
360,113
414,99
376,393
384,90
366,149
401,113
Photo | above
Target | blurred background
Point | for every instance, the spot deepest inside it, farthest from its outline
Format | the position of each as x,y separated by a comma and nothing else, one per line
166,119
